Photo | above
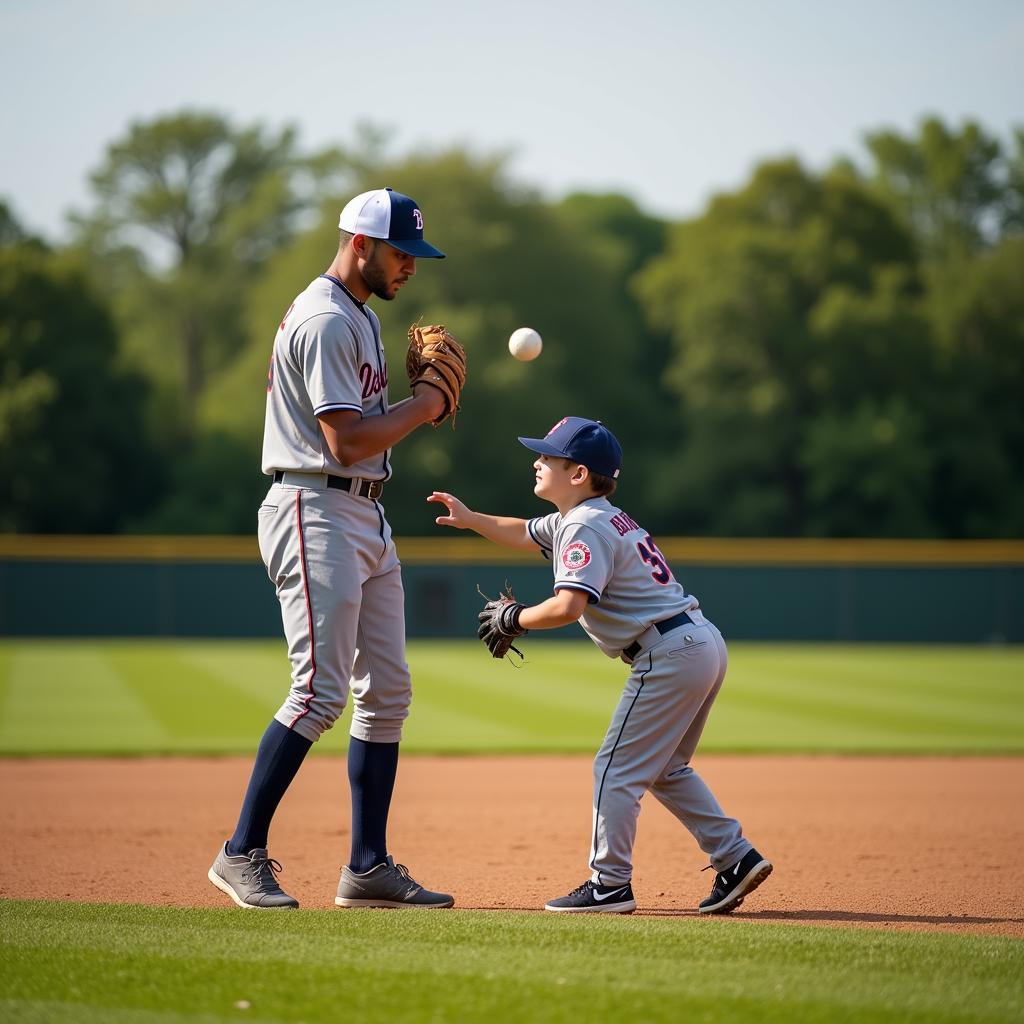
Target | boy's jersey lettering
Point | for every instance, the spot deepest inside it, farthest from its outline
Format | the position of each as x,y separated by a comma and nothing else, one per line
623,524
653,557
601,550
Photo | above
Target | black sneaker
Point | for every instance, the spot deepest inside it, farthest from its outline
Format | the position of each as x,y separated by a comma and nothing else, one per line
736,882
590,898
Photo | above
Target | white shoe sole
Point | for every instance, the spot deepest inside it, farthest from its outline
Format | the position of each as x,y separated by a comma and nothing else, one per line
626,907
351,904
225,888
757,874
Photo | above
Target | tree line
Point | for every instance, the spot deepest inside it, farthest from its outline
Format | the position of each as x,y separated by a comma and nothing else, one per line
835,353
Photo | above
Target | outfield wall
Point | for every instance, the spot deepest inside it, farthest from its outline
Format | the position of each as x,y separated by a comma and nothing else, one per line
801,590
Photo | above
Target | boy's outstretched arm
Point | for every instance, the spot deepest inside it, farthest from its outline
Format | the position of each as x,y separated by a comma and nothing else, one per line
512,533
565,607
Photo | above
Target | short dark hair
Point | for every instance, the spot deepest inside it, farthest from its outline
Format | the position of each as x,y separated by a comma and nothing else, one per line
603,486
344,237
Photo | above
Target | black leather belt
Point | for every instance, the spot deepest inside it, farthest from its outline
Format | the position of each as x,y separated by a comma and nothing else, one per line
663,627
366,489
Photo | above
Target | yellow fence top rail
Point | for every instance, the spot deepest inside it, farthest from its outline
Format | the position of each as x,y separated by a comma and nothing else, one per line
469,550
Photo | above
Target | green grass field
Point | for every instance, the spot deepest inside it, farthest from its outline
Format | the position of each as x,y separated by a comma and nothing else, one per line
131,696
65,962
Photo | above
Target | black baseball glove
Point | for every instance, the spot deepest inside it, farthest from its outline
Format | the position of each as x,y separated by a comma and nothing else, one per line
499,624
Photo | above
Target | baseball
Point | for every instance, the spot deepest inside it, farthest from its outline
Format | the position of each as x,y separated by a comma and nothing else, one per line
525,343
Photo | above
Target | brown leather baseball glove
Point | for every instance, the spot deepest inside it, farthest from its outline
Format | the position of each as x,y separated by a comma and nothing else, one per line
434,357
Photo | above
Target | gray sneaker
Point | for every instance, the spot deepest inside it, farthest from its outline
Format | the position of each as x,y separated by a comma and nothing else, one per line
250,880
387,885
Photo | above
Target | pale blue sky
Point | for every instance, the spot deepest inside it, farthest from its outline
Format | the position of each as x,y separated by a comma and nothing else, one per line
668,102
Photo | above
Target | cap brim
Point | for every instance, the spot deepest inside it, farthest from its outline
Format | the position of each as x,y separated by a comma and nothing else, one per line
418,247
538,444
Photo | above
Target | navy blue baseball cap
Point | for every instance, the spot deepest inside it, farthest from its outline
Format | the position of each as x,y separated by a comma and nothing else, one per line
587,442
391,216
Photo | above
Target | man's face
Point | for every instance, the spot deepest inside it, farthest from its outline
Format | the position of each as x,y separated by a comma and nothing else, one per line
386,269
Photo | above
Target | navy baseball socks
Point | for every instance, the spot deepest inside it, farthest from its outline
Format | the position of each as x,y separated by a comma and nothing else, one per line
278,758
246,873
242,868
372,878
372,768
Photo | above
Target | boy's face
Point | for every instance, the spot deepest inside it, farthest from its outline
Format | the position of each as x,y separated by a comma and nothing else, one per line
558,479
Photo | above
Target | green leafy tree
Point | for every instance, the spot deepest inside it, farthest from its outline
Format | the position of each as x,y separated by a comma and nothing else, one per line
790,304
978,433
961,194
949,186
11,231
73,450
626,239
189,207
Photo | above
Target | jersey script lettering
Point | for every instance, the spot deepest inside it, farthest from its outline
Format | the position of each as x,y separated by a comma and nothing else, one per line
372,380
623,524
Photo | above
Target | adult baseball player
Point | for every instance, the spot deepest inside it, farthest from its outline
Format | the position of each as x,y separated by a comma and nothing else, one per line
328,548
611,577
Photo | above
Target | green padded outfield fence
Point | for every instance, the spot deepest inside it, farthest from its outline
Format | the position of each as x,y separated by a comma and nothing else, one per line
792,590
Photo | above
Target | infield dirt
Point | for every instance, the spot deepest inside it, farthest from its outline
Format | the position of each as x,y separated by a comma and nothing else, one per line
896,843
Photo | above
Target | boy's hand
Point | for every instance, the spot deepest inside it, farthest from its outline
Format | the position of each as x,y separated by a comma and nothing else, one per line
458,513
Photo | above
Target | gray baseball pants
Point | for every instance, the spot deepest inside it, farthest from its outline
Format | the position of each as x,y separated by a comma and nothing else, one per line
332,559
652,737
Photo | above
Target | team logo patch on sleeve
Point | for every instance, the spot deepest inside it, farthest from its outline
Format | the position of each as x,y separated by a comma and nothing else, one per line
576,555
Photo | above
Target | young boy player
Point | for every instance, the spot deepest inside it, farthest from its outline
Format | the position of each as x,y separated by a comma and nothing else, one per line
612,579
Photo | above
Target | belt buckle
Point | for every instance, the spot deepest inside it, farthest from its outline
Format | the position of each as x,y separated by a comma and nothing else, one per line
375,489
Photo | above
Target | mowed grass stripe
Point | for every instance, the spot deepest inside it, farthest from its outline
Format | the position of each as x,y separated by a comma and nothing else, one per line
61,695
878,715
258,669
195,965
217,697
546,676
534,712
446,724
192,704
967,696
7,656
913,668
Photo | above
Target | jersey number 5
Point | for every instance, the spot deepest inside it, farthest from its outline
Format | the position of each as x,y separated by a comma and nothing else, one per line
653,557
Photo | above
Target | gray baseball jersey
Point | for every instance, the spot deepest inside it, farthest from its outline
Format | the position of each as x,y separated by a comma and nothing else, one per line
329,552
673,681
327,355
599,549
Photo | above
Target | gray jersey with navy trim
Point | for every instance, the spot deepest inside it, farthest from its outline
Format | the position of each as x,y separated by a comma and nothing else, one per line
327,355
673,682
599,549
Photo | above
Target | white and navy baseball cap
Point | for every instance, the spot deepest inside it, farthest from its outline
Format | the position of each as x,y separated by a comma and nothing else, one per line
391,216
587,442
